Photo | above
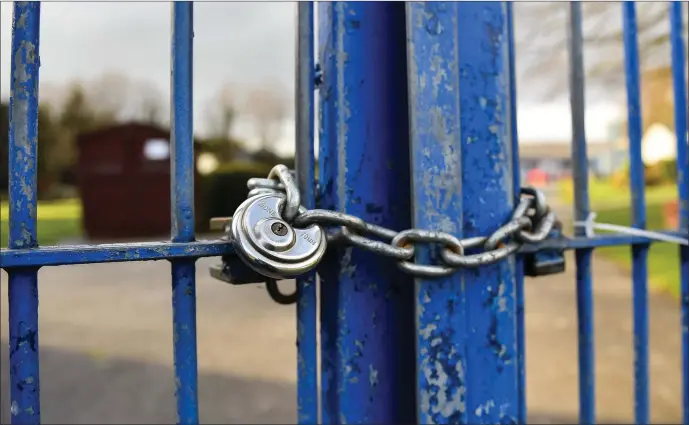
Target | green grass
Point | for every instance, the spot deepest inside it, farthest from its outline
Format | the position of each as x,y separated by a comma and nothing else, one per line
57,220
604,196
663,258
612,205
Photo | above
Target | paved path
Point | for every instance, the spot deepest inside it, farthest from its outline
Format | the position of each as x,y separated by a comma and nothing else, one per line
551,348
106,348
551,344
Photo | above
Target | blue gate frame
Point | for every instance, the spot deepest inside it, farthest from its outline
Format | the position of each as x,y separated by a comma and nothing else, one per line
463,334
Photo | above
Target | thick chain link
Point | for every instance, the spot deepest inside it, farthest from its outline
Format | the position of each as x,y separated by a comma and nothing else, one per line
531,222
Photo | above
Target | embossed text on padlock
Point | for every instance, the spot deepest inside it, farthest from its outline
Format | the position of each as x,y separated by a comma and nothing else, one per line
271,246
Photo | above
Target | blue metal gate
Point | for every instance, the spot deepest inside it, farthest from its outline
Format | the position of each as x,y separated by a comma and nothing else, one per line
394,349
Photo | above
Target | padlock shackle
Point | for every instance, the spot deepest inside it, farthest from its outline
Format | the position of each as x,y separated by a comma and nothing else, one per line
292,200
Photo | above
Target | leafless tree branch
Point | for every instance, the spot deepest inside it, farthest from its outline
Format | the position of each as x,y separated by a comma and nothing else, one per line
268,105
223,110
541,39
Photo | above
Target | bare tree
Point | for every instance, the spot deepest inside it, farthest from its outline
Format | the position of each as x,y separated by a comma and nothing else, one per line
223,110
541,39
74,115
221,114
53,95
268,106
109,94
657,98
150,107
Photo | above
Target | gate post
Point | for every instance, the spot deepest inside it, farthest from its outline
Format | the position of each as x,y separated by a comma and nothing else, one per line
463,184
367,315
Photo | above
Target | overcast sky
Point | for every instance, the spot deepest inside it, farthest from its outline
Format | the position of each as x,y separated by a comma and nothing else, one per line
239,42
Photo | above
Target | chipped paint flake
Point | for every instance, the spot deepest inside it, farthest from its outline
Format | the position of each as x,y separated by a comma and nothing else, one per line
462,185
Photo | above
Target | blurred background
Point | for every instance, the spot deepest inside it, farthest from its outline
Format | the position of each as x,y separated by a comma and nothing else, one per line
103,175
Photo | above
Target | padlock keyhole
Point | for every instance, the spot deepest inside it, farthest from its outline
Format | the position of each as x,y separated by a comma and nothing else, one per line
279,229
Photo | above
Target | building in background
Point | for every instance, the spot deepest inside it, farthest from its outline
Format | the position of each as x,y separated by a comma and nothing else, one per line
553,160
659,141
123,176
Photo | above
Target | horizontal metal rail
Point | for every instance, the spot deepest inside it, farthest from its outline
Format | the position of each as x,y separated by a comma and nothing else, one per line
165,250
111,253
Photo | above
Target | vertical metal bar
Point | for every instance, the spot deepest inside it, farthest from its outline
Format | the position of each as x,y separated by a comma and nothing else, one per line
182,201
587,388
679,86
432,55
327,169
461,152
23,149
488,199
307,343
516,181
367,312
637,186
327,198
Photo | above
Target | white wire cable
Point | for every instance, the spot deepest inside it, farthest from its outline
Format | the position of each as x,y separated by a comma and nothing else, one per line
590,226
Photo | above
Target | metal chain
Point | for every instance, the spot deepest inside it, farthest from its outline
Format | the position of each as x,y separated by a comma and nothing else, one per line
531,222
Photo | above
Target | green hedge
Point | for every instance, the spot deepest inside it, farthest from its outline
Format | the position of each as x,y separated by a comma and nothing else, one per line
225,188
661,173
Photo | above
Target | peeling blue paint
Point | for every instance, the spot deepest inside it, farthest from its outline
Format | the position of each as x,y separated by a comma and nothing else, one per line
516,177
463,136
437,187
111,253
23,143
364,170
492,370
182,201
23,148
184,339
463,185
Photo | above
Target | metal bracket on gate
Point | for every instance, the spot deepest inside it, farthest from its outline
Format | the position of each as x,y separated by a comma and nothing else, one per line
232,269
548,260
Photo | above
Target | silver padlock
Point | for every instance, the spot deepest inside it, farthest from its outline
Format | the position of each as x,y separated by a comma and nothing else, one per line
268,244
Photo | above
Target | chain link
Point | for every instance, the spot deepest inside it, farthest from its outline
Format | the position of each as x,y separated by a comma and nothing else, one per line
531,222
